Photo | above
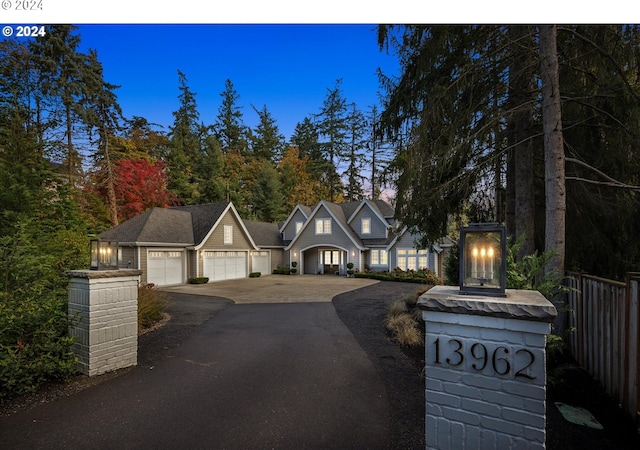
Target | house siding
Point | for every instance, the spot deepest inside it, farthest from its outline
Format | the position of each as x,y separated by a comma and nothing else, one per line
337,239
289,232
216,239
143,264
378,228
193,270
128,260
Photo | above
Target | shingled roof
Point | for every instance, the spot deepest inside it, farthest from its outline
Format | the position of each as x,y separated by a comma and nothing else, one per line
264,234
187,225
156,225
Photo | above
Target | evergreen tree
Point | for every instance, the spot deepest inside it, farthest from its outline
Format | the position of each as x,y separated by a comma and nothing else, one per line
333,131
184,145
266,197
229,126
209,169
266,141
62,77
102,112
355,155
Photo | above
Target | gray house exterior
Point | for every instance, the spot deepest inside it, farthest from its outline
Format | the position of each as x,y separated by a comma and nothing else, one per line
363,233
172,245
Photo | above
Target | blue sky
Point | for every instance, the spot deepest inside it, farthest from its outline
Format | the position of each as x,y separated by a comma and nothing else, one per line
286,67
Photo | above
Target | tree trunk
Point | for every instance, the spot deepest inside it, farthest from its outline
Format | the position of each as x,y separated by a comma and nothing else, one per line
111,192
553,160
521,74
553,149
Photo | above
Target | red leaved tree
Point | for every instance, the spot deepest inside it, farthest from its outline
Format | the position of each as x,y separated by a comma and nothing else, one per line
140,185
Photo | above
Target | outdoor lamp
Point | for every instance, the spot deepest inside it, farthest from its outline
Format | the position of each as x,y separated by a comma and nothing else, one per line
483,251
104,255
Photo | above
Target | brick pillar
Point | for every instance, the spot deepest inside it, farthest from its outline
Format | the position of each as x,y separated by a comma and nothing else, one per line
103,313
485,374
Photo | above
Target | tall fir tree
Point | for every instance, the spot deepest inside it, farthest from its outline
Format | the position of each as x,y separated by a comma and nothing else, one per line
333,131
355,154
184,145
229,126
266,140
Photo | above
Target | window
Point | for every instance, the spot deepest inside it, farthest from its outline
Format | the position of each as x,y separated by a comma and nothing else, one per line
323,226
412,259
365,225
298,227
228,234
378,257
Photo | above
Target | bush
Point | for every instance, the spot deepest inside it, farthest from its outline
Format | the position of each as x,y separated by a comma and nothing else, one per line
35,345
404,326
151,306
198,280
282,271
255,274
424,276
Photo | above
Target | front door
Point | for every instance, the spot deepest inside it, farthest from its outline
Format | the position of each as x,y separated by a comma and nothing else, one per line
331,262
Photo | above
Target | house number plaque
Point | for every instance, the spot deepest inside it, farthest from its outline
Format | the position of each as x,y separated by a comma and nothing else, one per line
487,358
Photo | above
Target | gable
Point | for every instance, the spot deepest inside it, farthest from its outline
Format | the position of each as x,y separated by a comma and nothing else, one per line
240,238
377,227
289,229
341,234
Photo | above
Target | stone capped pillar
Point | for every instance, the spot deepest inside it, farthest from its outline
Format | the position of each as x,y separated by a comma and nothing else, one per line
485,375
103,314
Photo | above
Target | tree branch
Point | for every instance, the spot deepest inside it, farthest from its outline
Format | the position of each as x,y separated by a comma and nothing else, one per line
611,182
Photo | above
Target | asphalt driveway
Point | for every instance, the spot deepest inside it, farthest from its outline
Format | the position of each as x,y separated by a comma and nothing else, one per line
225,375
276,288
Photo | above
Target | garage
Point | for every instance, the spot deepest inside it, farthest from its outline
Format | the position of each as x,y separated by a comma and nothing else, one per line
218,266
260,262
165,267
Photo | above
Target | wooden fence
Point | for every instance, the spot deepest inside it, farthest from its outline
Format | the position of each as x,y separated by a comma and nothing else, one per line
604,316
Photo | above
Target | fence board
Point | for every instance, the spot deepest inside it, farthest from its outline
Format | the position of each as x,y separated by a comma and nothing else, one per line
605,332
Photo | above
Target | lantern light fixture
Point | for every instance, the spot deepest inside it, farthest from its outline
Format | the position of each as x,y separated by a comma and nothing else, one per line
483,251
104,254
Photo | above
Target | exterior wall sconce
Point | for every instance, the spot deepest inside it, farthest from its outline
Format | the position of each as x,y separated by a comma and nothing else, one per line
483,252
104,255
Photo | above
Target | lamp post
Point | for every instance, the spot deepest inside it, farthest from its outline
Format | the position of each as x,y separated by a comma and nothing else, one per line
483,251
104,255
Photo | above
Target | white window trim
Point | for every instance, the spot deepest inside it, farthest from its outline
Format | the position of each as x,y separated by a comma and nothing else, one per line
228,235
298,227
367,229
323,226
378,257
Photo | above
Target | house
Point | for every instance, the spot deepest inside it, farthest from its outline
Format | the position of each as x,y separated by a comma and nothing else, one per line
331,235
172,245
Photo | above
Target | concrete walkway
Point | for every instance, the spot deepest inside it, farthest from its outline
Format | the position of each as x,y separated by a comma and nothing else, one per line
276,288
252,376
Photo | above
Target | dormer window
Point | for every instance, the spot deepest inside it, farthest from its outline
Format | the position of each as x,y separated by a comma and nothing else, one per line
298,227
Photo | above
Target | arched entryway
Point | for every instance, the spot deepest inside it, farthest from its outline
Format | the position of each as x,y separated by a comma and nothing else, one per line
324,260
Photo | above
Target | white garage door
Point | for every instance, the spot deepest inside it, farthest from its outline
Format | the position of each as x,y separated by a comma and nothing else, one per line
260,262
225,265
165,267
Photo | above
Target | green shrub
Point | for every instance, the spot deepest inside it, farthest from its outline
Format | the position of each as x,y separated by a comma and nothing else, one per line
255,274
423,276
151,306
198,280
35,345
282,271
